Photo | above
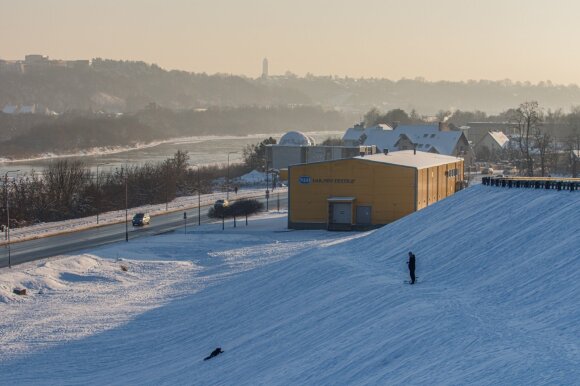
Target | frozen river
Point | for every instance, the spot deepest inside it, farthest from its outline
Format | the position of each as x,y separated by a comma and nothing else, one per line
201,150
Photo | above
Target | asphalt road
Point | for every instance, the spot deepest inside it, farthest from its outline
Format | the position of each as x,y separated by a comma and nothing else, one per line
76,242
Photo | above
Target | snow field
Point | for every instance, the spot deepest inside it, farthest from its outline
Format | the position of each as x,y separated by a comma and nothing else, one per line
496,303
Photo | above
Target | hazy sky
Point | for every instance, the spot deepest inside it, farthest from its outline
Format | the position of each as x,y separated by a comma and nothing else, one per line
445,39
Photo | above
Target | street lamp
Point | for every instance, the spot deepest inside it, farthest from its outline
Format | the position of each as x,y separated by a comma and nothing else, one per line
98,191
228,179
8,214
126,212
198,197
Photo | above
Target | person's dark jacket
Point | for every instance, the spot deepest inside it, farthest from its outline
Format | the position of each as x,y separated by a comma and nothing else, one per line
411,262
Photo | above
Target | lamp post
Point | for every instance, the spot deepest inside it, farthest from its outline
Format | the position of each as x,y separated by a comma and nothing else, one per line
198,197
228,179
126,211
8,214
98,191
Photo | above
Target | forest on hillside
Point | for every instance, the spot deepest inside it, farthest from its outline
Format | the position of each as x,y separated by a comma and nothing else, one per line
128,86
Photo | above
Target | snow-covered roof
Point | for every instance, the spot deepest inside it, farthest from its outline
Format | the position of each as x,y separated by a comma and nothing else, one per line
426,137
408,158
27,109
499,137
10,109
429,137
355,133
253,176
296,138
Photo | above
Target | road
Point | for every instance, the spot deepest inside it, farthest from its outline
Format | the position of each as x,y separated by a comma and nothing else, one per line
76,242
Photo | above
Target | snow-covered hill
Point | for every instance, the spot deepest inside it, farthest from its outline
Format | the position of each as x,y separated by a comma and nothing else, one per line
497,303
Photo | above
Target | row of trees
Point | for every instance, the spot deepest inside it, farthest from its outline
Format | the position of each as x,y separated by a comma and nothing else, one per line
536,146
68,189
542,142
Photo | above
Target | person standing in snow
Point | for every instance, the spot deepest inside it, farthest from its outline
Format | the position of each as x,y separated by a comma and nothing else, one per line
411,264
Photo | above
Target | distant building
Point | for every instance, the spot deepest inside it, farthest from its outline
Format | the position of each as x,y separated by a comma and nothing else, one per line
10,109
432,138
494,141
265,68
296,148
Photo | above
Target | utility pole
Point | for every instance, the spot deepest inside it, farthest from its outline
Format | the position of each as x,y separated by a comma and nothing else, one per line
228,176
126,211
99,191
8,214
198,198
267,184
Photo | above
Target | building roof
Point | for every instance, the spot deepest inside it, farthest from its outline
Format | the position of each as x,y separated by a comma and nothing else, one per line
354,133
296,138
408,158
426,137
499,137
10,109
430,138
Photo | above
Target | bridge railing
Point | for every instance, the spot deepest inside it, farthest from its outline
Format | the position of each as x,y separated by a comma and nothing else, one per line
570,184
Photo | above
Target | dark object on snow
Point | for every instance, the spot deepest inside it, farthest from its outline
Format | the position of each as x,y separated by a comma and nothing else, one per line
411,264
214,353
19,291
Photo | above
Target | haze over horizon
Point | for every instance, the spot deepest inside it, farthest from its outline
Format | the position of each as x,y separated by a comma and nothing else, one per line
452,40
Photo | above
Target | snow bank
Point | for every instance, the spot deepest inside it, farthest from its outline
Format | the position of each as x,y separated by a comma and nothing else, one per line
495,303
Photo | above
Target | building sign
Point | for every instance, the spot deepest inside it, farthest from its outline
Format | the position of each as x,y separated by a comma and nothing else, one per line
307,180
333,180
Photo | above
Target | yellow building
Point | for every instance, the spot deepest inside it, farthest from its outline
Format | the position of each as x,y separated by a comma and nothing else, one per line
369,191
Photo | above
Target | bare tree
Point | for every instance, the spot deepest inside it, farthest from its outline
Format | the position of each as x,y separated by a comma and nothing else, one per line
526,121
544,145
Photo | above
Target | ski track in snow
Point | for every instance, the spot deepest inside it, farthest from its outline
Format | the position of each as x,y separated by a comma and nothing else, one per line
494,303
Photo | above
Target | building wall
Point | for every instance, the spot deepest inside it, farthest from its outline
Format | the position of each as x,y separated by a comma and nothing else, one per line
392,191
282,156
389,190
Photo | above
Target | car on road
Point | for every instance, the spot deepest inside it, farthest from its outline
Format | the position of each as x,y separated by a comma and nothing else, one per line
141,219
221,204
487,171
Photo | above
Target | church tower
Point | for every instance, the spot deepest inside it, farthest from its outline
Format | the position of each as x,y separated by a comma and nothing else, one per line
265,68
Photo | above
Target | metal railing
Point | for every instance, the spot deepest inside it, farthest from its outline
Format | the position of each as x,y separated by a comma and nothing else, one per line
550,183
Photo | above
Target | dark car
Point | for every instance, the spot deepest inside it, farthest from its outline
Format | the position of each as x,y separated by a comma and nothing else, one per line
141,219
221,204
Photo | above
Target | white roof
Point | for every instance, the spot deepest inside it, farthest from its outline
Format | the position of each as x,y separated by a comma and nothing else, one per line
296,138
499,137
354,133
408,158
426,137
10,109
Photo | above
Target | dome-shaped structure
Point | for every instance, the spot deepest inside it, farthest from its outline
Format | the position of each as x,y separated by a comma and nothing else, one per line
296,138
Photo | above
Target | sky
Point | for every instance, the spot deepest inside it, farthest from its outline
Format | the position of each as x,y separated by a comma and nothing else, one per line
531,40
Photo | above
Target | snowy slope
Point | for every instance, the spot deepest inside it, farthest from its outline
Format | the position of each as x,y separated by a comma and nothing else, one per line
497,303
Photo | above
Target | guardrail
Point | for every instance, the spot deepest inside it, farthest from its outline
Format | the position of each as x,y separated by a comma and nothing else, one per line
570,184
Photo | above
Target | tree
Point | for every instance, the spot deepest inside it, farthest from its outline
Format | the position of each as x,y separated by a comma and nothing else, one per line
372,117
542,143
526,120
333,142
255,155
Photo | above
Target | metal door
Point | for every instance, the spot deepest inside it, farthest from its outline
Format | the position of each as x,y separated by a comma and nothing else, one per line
341,213
363,215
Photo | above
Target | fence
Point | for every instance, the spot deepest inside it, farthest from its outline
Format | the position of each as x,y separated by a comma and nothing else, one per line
570,184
